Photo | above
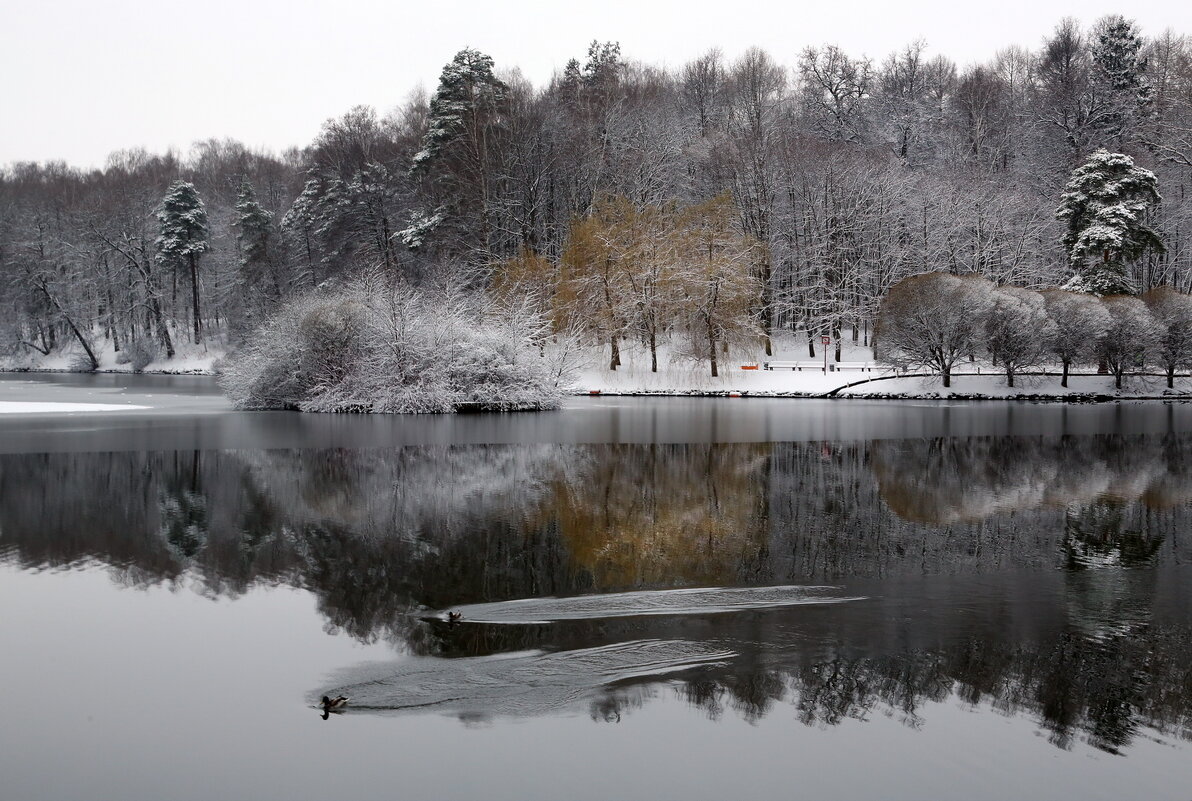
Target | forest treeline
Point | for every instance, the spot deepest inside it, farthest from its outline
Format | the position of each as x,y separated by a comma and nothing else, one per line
817,179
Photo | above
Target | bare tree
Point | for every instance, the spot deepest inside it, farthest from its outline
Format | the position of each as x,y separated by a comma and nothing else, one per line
1173,317
1080,322
1018,330
1132,333
933,320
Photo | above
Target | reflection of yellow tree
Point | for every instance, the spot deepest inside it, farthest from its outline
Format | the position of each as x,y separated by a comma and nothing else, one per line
689,515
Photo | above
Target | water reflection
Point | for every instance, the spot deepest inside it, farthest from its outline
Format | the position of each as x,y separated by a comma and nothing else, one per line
1041,575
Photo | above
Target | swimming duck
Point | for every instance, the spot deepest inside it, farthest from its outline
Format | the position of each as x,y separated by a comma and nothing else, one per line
455,617
338,702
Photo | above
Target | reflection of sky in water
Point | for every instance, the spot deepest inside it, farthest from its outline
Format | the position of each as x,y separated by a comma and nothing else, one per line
1020,593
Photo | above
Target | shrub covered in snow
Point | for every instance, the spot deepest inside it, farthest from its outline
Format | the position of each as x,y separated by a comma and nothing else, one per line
370,345
81,363
139,354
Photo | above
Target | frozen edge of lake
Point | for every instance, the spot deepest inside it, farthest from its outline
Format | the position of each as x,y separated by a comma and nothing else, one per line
47,407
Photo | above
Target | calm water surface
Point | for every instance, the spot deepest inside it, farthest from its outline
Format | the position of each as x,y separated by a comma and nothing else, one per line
662,598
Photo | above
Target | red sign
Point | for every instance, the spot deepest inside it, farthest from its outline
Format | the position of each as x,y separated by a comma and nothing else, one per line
825,340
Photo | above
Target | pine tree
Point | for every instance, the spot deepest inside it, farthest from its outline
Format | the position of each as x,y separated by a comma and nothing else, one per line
1119,72
183,239
459,149
1105,205
1117,55
255,226
468,91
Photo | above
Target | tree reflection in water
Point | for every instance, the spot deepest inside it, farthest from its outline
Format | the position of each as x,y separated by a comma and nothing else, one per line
1094,642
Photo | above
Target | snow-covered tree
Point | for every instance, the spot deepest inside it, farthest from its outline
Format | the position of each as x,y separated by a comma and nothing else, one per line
835,90
1080,322
182,240
255,230
457,155
1106,206
1018,330
592,293
1119,70
468,92
1173,315
1131,334
717,286
933,320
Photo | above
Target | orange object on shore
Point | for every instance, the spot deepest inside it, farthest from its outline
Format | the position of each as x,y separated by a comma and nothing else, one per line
749,367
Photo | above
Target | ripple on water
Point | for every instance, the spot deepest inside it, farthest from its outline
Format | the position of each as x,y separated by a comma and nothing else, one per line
517,685
696,601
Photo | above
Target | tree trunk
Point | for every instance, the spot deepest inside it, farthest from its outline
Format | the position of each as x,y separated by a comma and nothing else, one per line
947,373
1010,378
69,322
163,331
615,358
810,345
1064,380
712,349
653,351
1171,377
194,296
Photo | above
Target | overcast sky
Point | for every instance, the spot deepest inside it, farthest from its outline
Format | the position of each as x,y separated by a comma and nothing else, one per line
80,78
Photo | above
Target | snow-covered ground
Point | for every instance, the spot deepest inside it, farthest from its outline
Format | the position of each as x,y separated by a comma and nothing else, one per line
188,359
681,376
857,366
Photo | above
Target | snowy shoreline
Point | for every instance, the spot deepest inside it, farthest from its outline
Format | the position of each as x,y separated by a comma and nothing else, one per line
810,385
1035,397
200,371
858,376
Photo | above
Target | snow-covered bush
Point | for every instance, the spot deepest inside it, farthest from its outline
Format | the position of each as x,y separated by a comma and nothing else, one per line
139,354
81,363
370,345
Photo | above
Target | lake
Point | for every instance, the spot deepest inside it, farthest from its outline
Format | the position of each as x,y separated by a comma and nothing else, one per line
679,598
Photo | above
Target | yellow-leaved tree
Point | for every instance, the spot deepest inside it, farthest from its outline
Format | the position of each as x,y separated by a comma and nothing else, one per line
718,285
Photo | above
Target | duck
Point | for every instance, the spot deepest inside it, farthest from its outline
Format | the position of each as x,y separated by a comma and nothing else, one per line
332,704
455,617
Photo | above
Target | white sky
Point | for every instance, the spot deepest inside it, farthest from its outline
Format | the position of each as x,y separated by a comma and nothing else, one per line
80,78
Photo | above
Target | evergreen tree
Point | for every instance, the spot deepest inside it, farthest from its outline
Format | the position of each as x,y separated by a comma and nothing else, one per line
1105,205
183,238
459,151
255,229
604,64
1120,73
468,92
